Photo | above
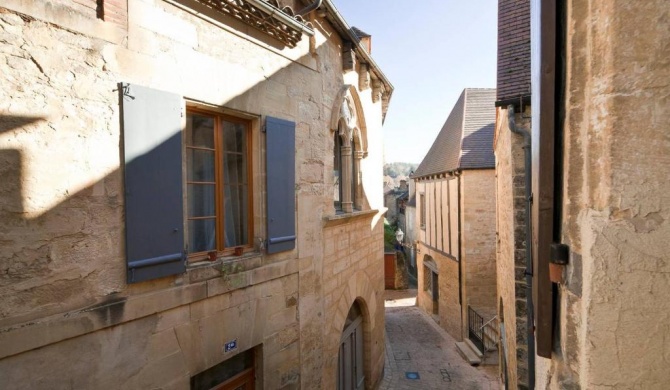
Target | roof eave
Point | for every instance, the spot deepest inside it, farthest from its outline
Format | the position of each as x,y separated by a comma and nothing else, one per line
343,28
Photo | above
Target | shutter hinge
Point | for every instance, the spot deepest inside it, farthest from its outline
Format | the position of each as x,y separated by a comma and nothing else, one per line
181,110
560,253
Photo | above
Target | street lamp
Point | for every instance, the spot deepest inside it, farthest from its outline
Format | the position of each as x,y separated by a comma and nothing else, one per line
398,236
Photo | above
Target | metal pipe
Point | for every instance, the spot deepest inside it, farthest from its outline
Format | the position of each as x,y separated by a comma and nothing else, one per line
529,242
310,8
277,13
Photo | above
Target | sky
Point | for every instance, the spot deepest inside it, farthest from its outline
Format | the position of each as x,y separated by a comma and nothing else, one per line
430,51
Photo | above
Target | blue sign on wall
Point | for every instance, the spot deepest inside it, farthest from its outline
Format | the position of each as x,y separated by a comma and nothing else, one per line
230,346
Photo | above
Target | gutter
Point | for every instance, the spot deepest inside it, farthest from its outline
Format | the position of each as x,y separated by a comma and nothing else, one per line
310,8
530,310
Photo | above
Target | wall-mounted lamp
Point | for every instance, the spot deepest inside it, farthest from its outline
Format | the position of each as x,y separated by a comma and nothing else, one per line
399,236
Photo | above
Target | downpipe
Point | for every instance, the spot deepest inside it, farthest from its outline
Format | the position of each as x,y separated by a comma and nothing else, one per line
530,312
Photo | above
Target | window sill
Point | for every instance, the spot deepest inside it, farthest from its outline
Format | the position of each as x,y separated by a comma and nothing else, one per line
223,265
342,218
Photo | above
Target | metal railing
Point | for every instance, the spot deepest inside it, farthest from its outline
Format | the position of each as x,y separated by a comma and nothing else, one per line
484,335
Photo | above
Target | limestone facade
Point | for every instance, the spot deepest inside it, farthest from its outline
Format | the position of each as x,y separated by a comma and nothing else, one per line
63,261
510,250
613,309
611,202
458,238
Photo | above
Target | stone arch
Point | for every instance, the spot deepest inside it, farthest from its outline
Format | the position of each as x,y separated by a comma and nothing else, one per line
349,94
358,290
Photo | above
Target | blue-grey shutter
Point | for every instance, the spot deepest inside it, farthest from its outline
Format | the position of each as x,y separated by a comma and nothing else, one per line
280,173
153,182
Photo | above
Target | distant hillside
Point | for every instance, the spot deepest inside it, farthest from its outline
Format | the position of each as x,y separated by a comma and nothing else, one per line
396,169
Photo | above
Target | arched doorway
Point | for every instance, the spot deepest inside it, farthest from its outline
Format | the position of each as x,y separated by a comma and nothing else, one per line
350,371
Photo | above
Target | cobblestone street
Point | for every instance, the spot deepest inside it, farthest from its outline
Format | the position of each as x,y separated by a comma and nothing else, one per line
416,347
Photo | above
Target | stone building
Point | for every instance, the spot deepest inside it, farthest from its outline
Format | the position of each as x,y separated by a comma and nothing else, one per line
513,96
455,204
600,205
190,196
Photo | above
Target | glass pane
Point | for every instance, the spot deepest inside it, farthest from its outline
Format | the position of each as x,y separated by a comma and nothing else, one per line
236,215
234,169
234,137
199,130
201,235
200,165
201,200
337,198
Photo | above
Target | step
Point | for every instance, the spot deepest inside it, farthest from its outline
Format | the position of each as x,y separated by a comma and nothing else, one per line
474,348
467,353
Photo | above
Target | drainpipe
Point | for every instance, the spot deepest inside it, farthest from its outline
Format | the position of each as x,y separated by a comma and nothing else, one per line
530,323
310,8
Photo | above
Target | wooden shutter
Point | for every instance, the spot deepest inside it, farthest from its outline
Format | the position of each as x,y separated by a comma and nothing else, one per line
153,182
280,173
543,84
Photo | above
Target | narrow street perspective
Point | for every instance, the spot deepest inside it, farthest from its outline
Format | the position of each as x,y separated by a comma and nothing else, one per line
421,355
334,195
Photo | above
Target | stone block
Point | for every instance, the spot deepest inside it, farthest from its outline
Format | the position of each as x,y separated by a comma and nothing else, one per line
163,344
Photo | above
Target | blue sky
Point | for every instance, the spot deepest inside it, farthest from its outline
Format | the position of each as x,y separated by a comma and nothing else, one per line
430,50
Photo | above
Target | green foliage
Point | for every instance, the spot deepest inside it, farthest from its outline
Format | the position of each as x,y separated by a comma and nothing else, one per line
396,169
389,236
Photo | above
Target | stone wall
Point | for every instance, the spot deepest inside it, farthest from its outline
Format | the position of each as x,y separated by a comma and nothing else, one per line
449,312
613,307
510,251
353,271
62,260
478,262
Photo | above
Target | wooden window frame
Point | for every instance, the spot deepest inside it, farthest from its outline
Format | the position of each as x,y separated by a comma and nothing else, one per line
219,117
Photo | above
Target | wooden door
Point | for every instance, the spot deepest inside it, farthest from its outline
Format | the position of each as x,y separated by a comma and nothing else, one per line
389,270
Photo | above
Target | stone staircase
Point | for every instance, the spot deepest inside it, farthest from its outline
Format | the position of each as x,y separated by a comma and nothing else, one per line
482,345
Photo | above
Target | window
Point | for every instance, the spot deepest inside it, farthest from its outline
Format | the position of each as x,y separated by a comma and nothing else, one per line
235,373
427,280
337,172
210,159
422,206
218,172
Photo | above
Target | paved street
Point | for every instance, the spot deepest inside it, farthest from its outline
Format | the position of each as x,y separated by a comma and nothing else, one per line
415,344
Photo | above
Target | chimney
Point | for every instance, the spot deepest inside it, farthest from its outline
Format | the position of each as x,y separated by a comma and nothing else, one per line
365,38
403,185
412,185
367,43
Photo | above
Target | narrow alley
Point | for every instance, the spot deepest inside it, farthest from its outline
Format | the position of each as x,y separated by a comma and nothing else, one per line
420,355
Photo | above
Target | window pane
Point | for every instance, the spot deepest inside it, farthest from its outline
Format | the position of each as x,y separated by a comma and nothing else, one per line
337,164
236,215
200,165
201,235
201,200
234,169
199,131
234,137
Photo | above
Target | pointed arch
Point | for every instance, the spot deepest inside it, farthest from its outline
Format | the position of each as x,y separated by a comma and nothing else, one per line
349,94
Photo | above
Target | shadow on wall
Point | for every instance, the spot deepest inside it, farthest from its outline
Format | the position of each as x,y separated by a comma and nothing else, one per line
72,254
